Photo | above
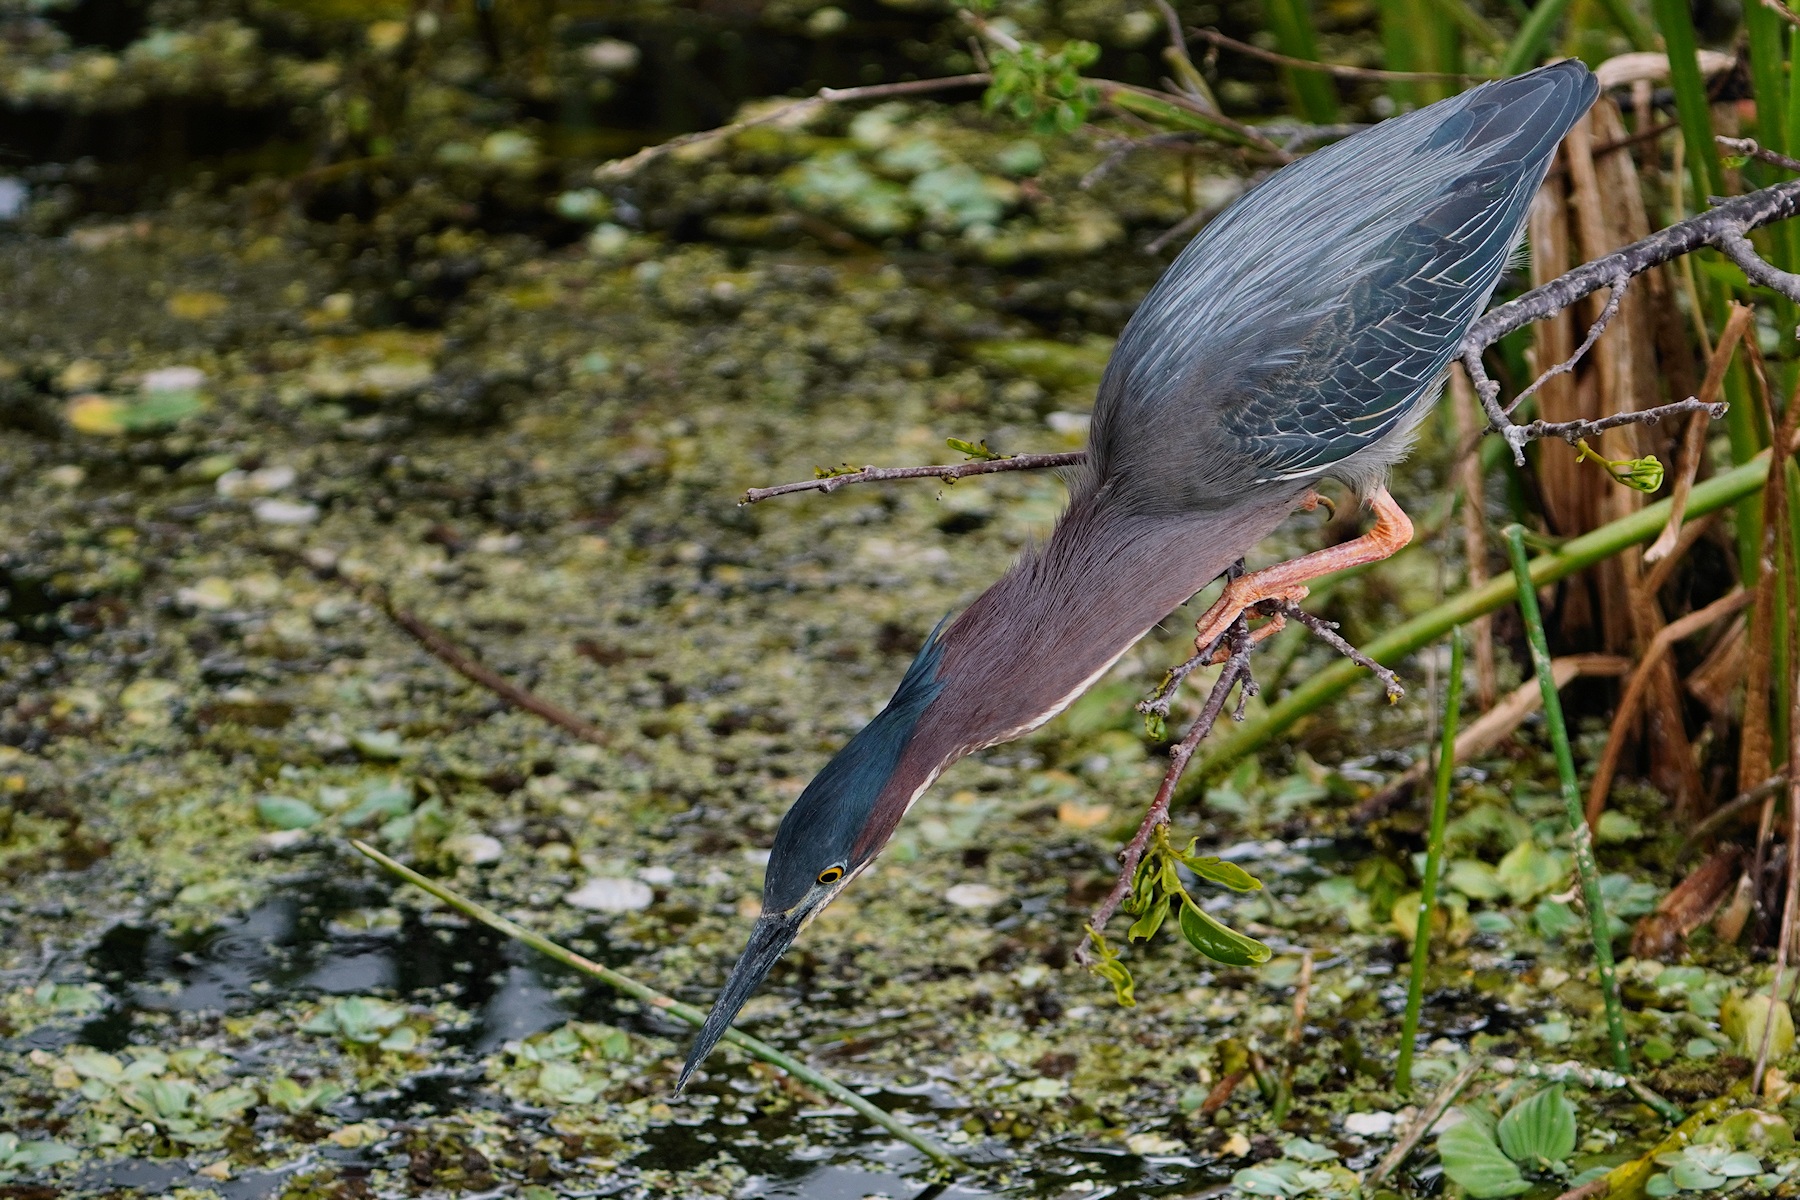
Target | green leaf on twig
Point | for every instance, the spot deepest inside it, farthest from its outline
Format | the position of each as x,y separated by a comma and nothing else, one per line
976,451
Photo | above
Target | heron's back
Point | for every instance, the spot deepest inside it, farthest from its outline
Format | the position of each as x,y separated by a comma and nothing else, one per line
1304,330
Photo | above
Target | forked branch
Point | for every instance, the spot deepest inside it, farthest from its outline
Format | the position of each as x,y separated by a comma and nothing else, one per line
1723,228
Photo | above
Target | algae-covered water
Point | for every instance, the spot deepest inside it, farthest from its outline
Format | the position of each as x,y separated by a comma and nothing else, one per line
237,417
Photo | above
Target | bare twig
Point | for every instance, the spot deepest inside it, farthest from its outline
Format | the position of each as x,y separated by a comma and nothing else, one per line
459,660
1614,298
1326,631
1727,606
1731,219
1738,249
949,473
1749,149
1341,71
1574,431
1731,809
619,168
1421,1124
1693,443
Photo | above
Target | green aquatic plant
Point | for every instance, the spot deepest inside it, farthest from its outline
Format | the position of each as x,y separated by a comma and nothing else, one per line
1044,88
364,1021
294,1098
1305,1168
1491,1158
1709,1168
19,1157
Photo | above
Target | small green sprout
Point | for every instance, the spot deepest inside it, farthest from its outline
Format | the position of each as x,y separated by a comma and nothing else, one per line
1640,474
976,451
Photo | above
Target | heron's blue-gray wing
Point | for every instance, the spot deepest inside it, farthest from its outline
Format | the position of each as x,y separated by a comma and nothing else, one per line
1313,318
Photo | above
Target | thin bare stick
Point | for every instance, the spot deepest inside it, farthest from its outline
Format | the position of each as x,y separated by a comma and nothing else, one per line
1326,631
439,645
1338,69
1574,431
1693,442
1738,249
1731,809
1237,670
1421,1124
1614,298
620,168
949,473
667,1004
1748,148
1726,606
1731,219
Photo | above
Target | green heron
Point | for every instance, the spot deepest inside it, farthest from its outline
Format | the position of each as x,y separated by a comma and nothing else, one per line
1304,333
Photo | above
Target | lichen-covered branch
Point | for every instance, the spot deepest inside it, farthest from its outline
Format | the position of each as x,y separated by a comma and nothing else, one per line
1722,228
948,472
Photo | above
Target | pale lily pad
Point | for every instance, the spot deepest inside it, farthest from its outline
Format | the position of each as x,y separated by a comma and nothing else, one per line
611,895
285,812
974,896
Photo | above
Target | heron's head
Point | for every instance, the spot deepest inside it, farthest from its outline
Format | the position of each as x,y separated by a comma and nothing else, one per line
834,830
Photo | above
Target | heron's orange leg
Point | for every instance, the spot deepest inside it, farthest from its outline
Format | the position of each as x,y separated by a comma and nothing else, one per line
1288,580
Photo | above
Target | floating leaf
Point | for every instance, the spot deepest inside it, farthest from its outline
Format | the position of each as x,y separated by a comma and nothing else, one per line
1218,942
285,812
1540,1128
1529,870
1474,879
1744,1019
1472,1158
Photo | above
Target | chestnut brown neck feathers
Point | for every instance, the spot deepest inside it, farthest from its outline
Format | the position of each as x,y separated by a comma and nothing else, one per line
1036,640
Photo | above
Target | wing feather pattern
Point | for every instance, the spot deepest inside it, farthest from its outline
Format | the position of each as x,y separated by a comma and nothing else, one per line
1314,319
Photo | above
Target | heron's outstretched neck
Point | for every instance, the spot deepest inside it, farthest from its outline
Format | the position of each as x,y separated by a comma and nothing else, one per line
1044,633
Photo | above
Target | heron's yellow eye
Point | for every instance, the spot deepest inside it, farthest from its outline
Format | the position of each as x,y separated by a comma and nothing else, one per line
831,874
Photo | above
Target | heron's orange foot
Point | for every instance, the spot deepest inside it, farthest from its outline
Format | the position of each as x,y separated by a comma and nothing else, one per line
1241,594
1287,581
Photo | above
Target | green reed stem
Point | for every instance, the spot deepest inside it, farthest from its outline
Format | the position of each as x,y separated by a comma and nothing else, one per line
1314,94
1226,746
1528,44
755,1047
1579,832
1692,106
1434,861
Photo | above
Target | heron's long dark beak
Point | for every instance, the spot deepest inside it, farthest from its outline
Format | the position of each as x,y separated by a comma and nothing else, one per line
773,934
